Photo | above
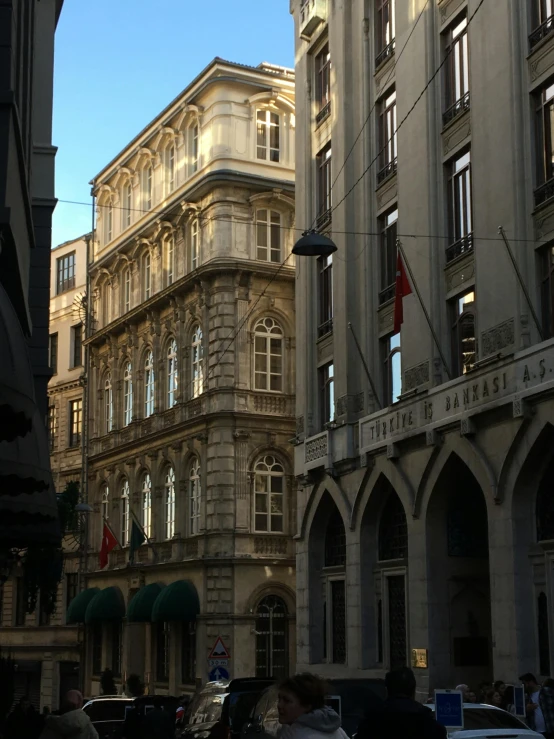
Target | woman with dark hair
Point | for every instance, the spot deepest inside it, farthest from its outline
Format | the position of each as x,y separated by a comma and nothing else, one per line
493,698
302,710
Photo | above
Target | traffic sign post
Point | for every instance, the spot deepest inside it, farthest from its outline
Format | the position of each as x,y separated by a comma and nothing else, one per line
449,708
218,673
219,650
218,662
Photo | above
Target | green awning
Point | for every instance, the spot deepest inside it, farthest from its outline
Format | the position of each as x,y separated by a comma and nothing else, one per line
140,608
177,602
107,605
78,606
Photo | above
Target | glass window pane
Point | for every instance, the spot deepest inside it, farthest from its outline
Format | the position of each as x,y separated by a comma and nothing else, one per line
277,523
261,522
275,383
261,381
261,483
261,237
276,484
276,504
260,344
276,346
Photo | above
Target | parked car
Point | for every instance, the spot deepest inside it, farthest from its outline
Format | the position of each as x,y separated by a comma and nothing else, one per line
221,708
350,698
482,720
107,714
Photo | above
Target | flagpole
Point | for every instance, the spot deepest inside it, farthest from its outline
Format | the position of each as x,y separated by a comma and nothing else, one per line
105,520
423,308
366,368
141,527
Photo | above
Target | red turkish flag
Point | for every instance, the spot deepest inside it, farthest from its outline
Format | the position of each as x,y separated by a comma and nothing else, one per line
403,288
109,542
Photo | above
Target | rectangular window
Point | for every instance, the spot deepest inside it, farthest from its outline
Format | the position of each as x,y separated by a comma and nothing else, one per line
542,21
388,228
325,268
460,207
324,185
170,260
392,368
385,27
43,615
162,652
267,135
126,290
194,148
323,84
456,71
77,342
396,601
338,621
53,352
170,164
20,601
97,638
65,273
127,205
75,422
545,145
194,246
71,588
387,137
53,427
268,235
546,257
327,394
464,336
188,652
146,276
117,647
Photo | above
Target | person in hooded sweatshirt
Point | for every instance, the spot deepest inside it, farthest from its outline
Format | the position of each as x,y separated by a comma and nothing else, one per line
73,723
302,710
401,715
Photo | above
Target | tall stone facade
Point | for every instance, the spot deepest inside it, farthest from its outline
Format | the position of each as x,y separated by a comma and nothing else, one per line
191,387
424,507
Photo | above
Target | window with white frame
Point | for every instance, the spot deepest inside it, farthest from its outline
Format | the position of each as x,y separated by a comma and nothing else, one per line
267,135
194,244
197,362
108,404
149,387
105,297
126,289
105,506
268,355
146,276
169,254
147,187
170,168
108,221
195,495
268,235
194,147
146,504
170,503
127,394
172,373
269,478
127,200
124,517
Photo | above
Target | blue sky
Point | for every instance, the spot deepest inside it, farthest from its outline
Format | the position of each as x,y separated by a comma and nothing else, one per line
120,62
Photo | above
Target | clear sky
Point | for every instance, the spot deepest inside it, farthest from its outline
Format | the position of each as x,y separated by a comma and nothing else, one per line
120,62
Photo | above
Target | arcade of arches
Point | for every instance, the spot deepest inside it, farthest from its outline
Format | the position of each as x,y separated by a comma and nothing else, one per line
441,553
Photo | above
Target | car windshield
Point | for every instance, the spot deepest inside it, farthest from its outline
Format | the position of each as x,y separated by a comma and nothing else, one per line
476,719
109,710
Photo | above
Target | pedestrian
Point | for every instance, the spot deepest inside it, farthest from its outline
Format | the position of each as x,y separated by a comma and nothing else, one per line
156,724
464,689
24,722
484,688
72,722
540,705
401,715
302,710
493,698
471,697
500,687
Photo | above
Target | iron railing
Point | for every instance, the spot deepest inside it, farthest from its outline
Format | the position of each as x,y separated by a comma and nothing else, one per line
385,53
324,113
459,107
542,31
462,246
544,192
387,170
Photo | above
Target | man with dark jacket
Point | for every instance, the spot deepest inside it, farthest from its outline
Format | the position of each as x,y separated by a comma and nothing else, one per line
401,715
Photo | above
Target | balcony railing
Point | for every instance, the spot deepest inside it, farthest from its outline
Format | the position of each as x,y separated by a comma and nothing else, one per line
387,171
544,30
387,294
312,13
385,53
325,328
459,107
462,246
544,192
324,218
324,113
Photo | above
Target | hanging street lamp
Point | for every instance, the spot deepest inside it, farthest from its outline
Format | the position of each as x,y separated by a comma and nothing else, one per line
314,244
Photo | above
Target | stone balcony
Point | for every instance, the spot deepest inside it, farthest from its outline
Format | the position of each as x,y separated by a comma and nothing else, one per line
312,13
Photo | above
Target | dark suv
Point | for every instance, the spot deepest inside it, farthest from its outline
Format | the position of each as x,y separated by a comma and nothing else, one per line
350,698
221,708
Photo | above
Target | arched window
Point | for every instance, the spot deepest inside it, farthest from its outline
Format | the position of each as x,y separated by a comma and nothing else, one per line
146,505
127,200
197,362
272,658
335,541
127,394
124,517
108,404
393,529
147,187
172,373
195,495
146,276
170,504
334,614
149,386
169,257
170,168
194,245
268,235
105,502
126,289
268,355
268,493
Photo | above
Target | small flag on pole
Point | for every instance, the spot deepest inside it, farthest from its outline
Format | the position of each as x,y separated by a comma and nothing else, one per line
109,542
138,537
403,288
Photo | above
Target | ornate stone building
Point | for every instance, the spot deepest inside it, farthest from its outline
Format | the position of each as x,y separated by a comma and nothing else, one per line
425,512
191,385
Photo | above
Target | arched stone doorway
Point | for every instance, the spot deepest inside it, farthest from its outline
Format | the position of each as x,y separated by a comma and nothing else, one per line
460,632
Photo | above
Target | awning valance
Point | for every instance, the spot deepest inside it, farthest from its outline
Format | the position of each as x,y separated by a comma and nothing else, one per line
177,602
78,606
140,608
107,605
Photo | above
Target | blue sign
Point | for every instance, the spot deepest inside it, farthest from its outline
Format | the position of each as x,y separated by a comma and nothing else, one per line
218,673
519,700
449,708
